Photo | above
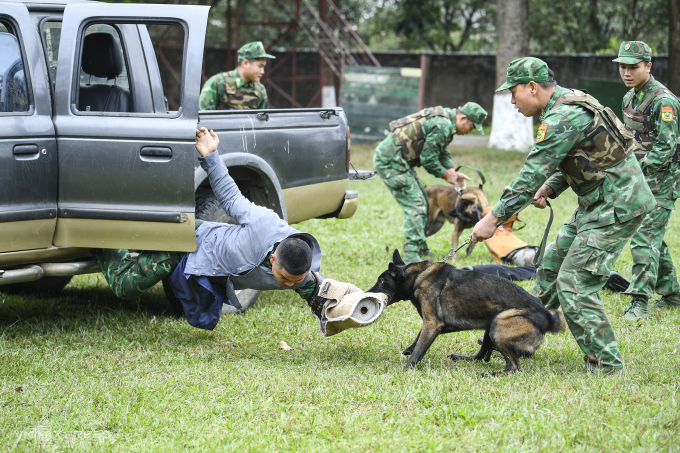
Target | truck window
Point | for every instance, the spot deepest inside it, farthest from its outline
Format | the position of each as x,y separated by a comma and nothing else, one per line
110,82
104,79
51,34
14,94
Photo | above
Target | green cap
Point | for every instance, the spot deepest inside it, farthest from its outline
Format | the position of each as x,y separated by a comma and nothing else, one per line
525,70
253,50
633,52
475,113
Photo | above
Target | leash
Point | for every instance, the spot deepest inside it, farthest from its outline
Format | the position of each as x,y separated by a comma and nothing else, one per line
541,249
479,172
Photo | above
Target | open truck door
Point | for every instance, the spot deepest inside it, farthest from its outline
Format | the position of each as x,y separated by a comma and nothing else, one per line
126,154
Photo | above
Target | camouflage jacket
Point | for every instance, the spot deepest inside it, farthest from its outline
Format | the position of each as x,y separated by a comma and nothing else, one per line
660,120
622,195
435,157
227,91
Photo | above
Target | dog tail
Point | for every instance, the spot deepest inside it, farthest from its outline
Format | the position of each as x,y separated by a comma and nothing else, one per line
556,321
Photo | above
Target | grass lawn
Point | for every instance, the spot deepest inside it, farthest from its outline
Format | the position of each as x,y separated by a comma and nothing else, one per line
84,371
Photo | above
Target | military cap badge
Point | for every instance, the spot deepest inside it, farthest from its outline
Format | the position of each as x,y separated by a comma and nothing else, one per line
543,128
627,46
667,113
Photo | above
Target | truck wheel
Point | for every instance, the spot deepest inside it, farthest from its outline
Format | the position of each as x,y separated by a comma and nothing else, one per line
46,285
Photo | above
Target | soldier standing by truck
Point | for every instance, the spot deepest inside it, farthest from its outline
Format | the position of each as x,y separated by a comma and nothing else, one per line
583,145
239,89
651,110
421,139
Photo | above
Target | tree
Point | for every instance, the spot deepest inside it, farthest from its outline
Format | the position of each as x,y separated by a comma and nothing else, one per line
510,129
674,46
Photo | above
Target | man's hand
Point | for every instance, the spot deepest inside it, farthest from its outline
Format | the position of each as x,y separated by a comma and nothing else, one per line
457,179
485,228
206,142
541,196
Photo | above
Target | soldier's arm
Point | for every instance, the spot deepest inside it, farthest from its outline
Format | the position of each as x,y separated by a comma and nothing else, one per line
557,183
541,163
435,157
664,120
209,96
264,102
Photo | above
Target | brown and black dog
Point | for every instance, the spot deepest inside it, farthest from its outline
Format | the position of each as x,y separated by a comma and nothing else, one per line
454,300
463,209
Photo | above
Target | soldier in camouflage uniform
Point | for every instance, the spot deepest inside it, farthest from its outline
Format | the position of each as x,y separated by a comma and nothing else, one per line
421,139
651,110
582,145
239,89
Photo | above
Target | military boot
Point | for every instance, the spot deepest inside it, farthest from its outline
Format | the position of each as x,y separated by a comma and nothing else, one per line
637,310
668,302
593,369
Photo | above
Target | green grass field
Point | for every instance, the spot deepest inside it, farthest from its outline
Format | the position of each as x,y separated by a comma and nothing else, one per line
83,371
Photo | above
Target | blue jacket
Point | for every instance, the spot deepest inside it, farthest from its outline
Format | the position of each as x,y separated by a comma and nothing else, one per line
231,251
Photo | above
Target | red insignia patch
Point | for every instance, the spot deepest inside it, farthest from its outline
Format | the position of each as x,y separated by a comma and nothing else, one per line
542,129
667,113
627,46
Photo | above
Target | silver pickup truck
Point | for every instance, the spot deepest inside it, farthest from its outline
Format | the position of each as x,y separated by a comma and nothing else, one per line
97,150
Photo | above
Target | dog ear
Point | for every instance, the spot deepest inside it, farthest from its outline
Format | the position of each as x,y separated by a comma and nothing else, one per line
396,272
396,258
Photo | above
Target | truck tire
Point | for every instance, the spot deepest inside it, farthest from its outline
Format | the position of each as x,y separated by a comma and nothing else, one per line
46,285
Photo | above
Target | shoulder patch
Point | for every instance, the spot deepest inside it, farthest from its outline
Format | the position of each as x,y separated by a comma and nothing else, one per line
542,129
667,113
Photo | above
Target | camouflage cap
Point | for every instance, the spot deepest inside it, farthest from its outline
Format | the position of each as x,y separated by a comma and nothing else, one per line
475,113
525,70
633,52
253,50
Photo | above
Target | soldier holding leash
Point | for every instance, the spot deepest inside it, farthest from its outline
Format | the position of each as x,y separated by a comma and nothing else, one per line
582,145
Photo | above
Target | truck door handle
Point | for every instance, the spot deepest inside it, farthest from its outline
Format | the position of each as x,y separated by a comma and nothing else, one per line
155,154
26,149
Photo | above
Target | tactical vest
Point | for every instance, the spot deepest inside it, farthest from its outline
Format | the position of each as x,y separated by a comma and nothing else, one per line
607,142
408,133
236,99
641,122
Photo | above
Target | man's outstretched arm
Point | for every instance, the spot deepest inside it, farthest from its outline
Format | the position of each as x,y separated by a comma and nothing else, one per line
225,189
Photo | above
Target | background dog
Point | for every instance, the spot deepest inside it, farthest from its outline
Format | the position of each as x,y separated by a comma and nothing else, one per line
452,300
463,209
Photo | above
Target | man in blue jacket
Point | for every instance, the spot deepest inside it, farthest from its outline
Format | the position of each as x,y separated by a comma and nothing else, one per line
261,252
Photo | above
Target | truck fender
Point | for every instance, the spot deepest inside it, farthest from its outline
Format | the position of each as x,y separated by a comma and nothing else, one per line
255,163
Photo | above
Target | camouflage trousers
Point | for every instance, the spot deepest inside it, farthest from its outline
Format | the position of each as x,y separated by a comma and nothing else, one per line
653,269
129,277
574,269
411,196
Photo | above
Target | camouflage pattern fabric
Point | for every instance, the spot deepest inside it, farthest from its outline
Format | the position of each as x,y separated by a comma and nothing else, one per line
434,157
227,91
653,113
622,195
406,188
574,269
525,70
577,265
653,270
408,132
253,50
633,52
604,142
474,113
130,277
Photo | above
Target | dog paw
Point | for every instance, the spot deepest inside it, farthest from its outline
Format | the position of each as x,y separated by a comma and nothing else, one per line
456,357
407,351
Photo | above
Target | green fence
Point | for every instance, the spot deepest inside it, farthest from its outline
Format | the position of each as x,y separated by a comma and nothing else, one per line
372,97
609,92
